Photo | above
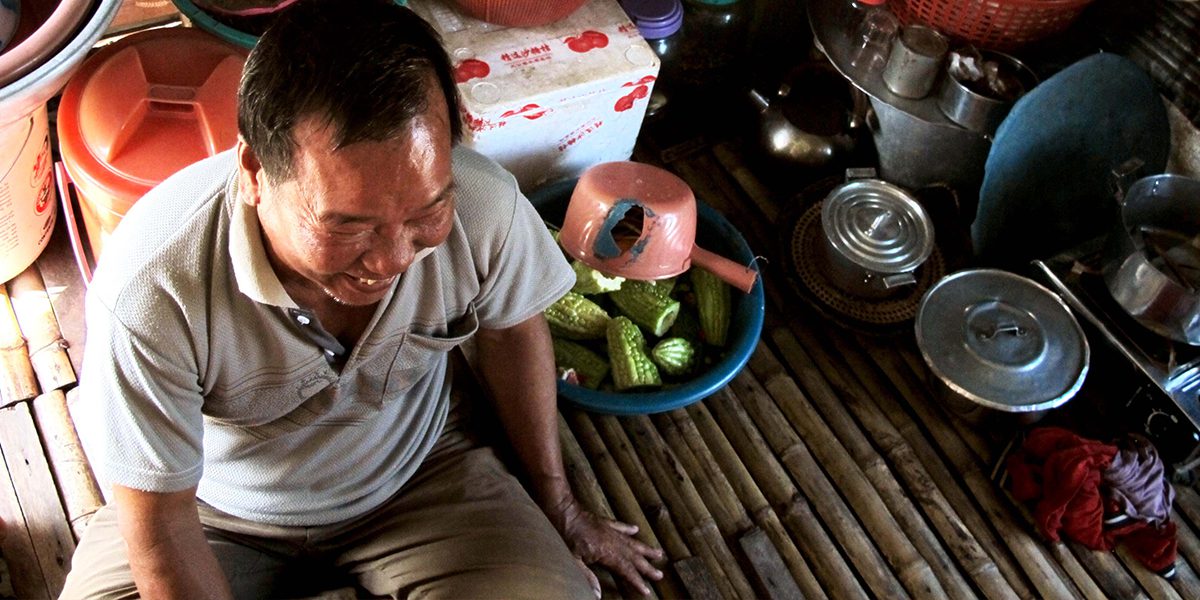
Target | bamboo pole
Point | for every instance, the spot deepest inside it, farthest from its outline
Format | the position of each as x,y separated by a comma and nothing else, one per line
1155,586
680,494
706,459
1188,542
621,497
656,511
1029,552
834,513
77,484
1108,572
17,379
1187,503
915,573
828,565
981,568
884,418
754,189
712,487
587,490
829,570
35,313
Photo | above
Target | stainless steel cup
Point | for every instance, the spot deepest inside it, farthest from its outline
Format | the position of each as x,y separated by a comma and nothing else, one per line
915,61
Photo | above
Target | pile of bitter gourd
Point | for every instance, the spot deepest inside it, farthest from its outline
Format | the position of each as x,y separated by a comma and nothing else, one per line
645,334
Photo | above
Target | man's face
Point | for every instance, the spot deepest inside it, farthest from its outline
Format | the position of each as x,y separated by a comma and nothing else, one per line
351,220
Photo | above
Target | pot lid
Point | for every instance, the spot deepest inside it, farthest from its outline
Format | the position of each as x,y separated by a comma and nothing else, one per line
1002,341
877,225
655,19
148,105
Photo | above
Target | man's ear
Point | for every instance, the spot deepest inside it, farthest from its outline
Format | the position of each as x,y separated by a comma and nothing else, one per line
250,174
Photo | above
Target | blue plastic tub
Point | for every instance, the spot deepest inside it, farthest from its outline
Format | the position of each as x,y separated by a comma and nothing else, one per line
713,233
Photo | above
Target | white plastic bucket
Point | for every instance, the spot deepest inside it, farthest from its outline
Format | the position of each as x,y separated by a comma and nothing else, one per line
27,199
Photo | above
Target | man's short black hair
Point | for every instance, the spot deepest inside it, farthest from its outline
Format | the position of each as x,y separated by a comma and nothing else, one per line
363,66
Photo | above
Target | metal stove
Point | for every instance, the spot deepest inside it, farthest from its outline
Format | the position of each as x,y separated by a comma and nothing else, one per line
1166,399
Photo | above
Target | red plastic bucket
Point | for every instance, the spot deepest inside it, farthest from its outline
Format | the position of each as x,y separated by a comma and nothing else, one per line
138,111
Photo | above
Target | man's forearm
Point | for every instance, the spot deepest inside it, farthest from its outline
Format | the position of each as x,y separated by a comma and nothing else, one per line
168,553
518,366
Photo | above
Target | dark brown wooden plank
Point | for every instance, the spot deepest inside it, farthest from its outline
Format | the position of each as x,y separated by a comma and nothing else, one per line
17,545
49,532
696,579
767,566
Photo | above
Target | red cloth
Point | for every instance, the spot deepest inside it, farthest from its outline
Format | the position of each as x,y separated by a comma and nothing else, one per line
1061,471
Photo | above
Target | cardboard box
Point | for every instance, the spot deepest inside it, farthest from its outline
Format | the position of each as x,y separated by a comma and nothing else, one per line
548,102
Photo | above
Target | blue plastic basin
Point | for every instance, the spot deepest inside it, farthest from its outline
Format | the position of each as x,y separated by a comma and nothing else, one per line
715,233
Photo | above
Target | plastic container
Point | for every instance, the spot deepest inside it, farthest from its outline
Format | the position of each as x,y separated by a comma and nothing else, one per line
714,46
659,22
25,148
714,231
138,111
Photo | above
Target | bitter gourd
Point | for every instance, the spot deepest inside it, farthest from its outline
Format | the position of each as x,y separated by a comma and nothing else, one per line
714,303
674,355
631,367
589,281
577,318
639,301
590,368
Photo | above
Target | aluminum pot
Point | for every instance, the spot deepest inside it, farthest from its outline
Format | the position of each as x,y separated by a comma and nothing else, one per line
876,234
1152,257
966,103
1002,349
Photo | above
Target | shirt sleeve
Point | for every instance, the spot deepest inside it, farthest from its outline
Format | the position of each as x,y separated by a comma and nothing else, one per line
141,384
529,272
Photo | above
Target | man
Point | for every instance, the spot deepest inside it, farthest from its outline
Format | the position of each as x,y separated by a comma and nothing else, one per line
268,334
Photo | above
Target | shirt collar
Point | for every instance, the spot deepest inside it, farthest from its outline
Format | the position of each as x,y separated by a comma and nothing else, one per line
253,272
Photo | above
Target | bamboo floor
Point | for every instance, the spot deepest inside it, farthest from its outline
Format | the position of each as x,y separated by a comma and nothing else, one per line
826,469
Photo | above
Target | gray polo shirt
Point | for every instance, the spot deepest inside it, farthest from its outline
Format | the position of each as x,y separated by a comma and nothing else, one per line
200,370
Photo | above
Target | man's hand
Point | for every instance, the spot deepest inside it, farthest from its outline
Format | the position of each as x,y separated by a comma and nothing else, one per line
608,543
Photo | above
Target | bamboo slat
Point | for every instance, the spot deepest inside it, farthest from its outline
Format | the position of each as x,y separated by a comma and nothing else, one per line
733,164
1186,582
1029,552
915,573
834,513
76,483
587,491
693,516
713,488
643,489
771,528
826,562
1108,572
1156,587
1187,503
941,515
17,379
859,377
619,494
31,478
35,313
1188,542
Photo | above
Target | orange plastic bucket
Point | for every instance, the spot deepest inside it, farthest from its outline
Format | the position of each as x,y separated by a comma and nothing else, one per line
138,111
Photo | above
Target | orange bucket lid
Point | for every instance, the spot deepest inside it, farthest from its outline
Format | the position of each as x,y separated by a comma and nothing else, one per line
143,108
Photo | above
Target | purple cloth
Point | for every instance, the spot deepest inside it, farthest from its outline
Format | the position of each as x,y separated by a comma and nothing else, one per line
1134,481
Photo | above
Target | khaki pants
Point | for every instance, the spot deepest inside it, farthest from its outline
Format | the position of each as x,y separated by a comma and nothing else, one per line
463,527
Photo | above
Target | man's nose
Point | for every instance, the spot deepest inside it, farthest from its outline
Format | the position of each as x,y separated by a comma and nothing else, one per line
390,256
